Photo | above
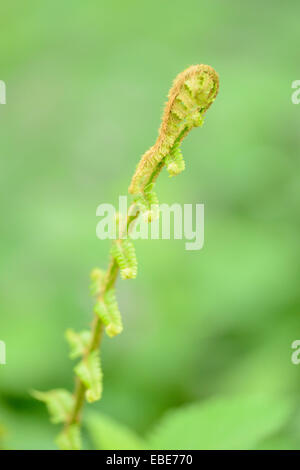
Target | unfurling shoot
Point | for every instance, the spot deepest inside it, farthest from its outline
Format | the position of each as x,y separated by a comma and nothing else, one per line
192,93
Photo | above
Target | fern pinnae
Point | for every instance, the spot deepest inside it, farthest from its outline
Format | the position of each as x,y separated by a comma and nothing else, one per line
59,403
124,253
129,252
147,202
90,373
78,342
191,95
69,438
97,280
101,310
108,311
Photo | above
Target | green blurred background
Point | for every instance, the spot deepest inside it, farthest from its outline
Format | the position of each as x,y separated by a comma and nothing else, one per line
86,83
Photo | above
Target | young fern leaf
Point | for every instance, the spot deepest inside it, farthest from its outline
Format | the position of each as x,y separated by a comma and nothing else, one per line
129,252
124,253
147,201
59,403
108,311
174,161
90,373
78,342
121,222
69,438
191,95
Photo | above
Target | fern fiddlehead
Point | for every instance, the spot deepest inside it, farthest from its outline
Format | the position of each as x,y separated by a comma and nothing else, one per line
192,93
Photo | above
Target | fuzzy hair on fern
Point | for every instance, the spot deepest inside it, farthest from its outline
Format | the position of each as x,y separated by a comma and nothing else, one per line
191,95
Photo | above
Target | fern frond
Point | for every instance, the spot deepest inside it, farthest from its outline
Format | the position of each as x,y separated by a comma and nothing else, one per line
69,438
115,325
124,253
121,223
59,403
190,97
97,279
148,203
129,252
78,342
108,311
90,373
175,162
102,311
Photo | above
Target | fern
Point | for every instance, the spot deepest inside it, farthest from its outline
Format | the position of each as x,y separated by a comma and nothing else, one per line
90,373
191,95
124,253
69,438
97,279
78,342
59,403
108,312
174,161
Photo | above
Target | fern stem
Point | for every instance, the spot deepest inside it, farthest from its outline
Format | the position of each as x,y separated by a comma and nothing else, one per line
97,330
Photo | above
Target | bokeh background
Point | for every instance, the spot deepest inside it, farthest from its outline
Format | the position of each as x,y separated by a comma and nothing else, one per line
86,83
